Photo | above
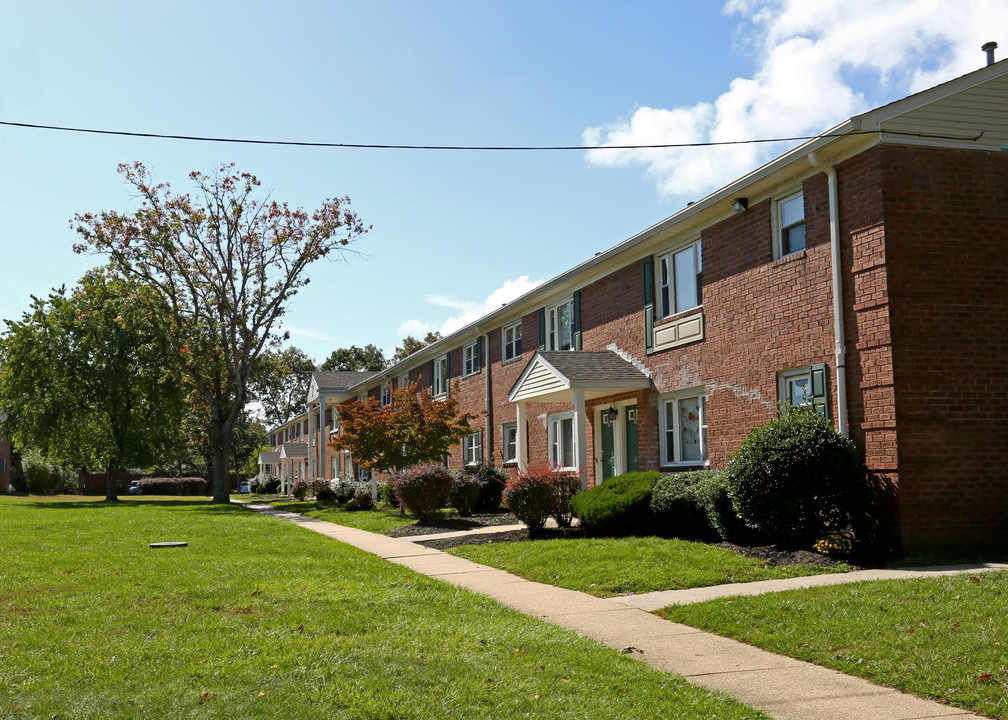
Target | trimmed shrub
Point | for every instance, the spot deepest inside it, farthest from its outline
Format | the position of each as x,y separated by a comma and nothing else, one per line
361,501
711,493
268,485
565,486
464,492
796,478
300,489
531,499
676,508
618,506
423,489
173,486
322,490
491,479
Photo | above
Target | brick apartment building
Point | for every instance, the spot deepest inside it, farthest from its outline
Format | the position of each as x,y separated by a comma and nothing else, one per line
864,271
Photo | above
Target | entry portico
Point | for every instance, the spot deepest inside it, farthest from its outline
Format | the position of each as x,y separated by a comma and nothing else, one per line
572,377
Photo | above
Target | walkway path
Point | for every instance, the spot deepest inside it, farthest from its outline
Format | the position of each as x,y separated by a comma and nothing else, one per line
780,686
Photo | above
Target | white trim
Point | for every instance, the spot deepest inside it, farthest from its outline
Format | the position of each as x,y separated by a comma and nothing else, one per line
470,355
472,448
439,383
619,436
666,283
779,227
514,343
676,432
553,327
553,422
505,443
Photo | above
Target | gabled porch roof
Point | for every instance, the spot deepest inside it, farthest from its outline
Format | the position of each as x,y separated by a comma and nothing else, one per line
554,376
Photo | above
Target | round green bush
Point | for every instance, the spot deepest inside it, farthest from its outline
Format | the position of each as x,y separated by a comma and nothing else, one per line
618,506
676,508
530,498
796,478
464,492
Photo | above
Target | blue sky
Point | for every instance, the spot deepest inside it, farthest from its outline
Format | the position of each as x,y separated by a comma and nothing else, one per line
454,234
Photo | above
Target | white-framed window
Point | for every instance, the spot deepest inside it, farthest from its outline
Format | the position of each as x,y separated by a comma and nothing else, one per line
363,473
402,382
386,394
362,398
795,387
560,326
790,222
562,442
509,448
471,358
511,339
472,448
440,381
680,280
333,420
335,467
347,466
684,428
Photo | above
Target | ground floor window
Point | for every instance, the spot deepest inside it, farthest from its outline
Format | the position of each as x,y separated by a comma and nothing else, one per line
684,429
562,442
472,448
509,448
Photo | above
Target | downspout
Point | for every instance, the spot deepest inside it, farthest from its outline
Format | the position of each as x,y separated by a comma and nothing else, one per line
838,326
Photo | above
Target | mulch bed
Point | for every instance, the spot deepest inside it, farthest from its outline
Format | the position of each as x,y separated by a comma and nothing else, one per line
772,555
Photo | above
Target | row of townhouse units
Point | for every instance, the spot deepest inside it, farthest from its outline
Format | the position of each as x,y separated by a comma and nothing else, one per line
863,272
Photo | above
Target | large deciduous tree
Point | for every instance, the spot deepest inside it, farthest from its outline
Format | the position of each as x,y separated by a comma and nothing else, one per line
280,383
415,428
353,358
226,263
84,378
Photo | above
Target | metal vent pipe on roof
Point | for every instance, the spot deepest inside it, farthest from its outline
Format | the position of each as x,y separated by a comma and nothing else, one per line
989,48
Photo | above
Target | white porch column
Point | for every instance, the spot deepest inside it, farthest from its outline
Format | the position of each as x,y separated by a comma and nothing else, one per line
311,442
581,433
521,441
323,439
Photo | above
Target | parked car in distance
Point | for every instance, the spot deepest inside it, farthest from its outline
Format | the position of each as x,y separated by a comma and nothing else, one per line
134,488
243,488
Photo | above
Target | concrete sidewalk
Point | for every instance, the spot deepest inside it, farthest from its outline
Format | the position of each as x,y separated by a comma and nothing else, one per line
782,687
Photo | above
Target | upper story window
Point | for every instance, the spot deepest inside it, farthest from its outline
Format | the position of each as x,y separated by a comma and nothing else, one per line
684,429
439,384
386,394
791,225
403,381
471,358
333,420
680,276
803,387
560,326
511,338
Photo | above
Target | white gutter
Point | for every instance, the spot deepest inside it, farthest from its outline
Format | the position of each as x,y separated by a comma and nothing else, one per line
838,326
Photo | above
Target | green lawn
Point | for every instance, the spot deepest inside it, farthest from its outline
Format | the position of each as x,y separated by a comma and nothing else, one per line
257,618
614,566
941,638
376,521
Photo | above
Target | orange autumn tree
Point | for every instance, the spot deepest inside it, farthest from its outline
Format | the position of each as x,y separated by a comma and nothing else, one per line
415,428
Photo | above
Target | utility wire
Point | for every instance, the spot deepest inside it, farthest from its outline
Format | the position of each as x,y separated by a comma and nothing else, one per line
297,143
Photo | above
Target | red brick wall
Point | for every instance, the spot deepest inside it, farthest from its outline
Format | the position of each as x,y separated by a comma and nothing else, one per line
946,237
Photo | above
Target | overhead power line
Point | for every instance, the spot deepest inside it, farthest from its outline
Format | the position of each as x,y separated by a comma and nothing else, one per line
371,146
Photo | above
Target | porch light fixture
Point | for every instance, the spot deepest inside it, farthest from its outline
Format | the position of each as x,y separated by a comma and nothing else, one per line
740,205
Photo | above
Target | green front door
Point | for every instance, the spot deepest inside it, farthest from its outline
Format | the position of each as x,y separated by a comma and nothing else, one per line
608,445
632,464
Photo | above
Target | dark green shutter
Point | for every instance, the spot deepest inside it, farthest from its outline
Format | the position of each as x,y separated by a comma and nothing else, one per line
542,328
479,437
648,305
820,389
576,330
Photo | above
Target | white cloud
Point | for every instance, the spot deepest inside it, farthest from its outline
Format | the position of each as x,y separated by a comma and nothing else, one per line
469,311
296,332
818,63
